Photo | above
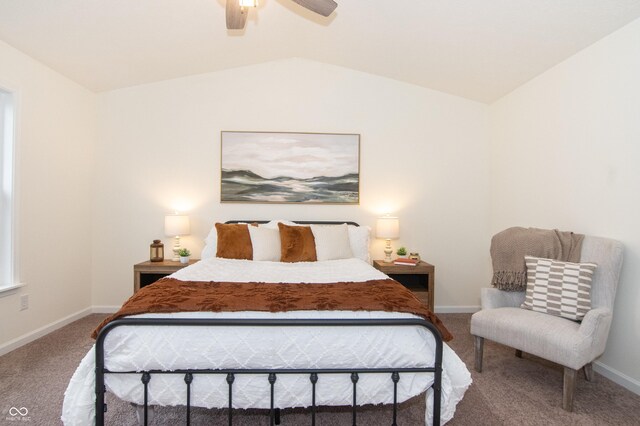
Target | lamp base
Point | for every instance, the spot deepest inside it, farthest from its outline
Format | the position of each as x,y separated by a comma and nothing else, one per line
387,252
176,249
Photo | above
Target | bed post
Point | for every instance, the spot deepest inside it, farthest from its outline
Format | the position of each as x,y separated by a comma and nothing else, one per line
437,379
101,407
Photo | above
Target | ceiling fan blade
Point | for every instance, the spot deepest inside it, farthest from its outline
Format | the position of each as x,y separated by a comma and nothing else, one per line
236,18
321,7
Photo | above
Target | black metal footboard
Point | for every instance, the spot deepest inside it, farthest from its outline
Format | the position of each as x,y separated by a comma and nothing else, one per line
270,373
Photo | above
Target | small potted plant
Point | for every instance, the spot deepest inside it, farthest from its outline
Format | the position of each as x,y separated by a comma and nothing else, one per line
184,255
402,252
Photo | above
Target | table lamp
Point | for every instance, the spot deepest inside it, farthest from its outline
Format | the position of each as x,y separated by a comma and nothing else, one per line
176,225
388,227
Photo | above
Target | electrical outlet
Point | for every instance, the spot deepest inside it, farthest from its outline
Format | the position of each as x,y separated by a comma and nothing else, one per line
24,302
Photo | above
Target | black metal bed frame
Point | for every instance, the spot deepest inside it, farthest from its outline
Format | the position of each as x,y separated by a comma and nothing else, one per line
271,373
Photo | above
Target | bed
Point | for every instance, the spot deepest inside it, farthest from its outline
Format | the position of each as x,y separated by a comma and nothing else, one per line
270,360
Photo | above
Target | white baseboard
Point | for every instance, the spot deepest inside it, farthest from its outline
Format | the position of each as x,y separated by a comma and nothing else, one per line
42,331
617,377
456,309
104,309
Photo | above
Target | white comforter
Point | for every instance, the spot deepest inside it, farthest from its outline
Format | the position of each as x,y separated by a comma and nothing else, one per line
141,348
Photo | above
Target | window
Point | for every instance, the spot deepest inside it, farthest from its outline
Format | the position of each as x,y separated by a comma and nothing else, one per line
7,139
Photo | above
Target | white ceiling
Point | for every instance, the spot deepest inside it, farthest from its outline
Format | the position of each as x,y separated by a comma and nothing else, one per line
478,49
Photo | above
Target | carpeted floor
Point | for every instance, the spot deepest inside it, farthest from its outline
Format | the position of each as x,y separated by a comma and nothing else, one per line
510,391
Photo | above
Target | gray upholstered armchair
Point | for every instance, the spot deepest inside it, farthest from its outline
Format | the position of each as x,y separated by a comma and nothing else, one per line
571,344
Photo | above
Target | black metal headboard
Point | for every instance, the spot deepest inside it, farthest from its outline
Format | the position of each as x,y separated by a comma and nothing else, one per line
300,222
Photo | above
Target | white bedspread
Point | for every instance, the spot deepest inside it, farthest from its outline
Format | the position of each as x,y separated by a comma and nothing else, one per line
141,348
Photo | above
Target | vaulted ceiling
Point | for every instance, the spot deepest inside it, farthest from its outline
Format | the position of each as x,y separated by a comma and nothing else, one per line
478,49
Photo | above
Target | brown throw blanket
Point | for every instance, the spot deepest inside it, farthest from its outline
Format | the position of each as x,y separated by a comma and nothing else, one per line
171,295
509,247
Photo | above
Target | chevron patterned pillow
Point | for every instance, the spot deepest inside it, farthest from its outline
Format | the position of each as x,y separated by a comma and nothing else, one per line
558,288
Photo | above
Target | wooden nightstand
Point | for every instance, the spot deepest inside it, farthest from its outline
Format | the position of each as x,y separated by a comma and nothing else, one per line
145,273
420,279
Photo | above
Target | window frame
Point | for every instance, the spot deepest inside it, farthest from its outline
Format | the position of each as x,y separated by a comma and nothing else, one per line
9,280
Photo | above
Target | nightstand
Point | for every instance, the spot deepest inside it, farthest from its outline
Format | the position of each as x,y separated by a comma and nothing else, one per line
145,273
420,279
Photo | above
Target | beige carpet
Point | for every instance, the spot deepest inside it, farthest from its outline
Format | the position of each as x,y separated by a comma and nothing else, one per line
510,391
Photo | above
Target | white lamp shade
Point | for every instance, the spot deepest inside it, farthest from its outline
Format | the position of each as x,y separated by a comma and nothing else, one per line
175,225
388,227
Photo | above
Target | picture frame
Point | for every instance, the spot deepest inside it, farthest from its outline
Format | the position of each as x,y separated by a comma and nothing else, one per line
289,167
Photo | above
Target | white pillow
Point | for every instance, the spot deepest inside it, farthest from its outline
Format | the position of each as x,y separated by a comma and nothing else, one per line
266,243
359,240
332,242
210,244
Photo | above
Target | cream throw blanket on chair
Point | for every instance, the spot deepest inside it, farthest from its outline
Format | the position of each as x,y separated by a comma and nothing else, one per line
509,247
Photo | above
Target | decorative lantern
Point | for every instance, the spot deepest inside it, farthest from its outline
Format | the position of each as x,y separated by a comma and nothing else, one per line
156,251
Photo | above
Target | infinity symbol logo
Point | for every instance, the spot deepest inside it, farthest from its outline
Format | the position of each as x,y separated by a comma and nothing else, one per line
22,411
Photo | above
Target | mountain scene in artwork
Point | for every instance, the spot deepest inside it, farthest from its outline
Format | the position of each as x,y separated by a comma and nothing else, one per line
245,185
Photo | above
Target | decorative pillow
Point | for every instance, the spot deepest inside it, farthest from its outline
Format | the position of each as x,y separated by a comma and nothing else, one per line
558,288
266,243
234,241
359,241
210,244
297,244
332,241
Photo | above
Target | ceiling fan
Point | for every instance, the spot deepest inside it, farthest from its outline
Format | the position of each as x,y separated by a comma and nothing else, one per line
237,13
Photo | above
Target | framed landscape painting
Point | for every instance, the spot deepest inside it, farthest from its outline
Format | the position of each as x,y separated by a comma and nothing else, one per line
268,167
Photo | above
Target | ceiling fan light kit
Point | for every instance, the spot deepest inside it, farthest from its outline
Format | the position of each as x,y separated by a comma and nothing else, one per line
237,18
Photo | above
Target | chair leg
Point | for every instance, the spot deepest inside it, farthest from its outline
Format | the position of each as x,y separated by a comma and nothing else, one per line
518,353
478,347
569,388
588,372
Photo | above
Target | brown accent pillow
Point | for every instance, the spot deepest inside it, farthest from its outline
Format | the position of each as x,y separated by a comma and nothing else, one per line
234,241
297,244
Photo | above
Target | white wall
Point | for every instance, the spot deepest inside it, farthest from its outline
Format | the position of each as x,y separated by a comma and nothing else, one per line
424,157
55,138
455,171
566,149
